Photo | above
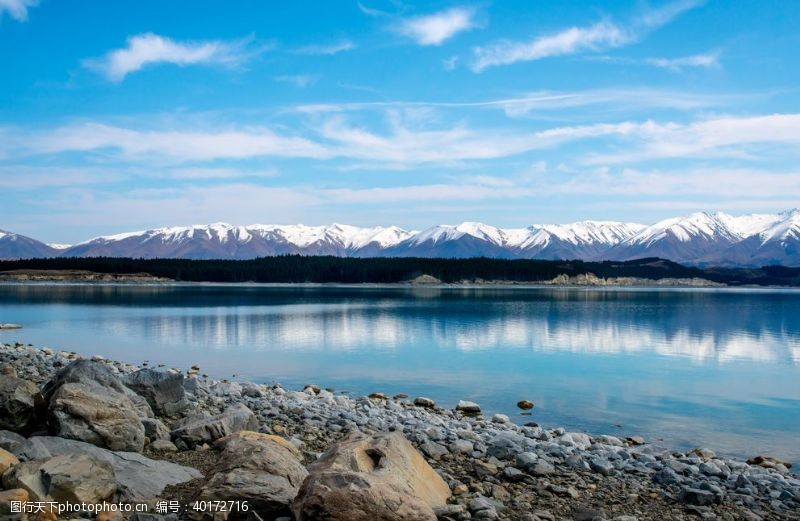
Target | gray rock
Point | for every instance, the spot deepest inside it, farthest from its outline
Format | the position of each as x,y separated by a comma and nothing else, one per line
10,440
666,476
87,402
18,400
462,447
576,462
601,466
154,429
197,430
75,478
698,497
163,391
433,450
542,468
526,460
163,446
137,477
504,446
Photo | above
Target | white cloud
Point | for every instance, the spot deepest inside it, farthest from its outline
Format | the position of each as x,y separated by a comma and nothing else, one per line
414,137
298,80
706,60
177,145
616,100
328,49
150,49
434,29
17,9
718,137
599,36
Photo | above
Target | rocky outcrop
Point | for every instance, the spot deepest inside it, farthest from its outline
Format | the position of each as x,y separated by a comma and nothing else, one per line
199,429
76,478
262,469
365,478
163,390
137,477
86,401
18,401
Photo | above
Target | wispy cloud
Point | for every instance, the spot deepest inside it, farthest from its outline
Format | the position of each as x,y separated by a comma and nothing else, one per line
298,80
150,49
436,28
620,100
414,137
711,138
17,9
328,49
706,60
605,34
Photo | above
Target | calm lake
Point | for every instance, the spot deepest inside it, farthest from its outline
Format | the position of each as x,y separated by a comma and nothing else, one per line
715,368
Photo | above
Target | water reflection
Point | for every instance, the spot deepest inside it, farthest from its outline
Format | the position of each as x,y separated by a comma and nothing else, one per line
714,367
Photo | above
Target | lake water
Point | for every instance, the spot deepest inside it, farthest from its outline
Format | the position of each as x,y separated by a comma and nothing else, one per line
716,368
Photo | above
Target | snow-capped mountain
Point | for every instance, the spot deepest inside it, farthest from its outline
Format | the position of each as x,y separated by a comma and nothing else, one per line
699,238
778,243
689,238
224,241
15,246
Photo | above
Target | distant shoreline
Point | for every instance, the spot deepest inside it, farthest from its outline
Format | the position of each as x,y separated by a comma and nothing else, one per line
145,280
410,271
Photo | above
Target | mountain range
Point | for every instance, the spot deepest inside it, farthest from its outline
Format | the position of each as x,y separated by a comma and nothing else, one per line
713,239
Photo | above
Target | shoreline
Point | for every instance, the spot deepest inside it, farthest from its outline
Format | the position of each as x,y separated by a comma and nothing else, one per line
493,458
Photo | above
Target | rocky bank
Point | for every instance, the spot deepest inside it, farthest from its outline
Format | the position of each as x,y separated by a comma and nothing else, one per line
93,430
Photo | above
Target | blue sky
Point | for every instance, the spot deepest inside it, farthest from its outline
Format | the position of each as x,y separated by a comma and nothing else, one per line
118,116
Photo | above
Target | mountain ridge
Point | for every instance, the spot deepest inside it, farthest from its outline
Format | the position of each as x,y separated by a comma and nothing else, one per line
701,238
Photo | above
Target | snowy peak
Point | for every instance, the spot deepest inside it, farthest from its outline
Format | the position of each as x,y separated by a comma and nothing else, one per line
698,238
785,229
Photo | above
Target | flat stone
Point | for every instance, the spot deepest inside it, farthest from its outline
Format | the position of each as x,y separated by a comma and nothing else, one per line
525,405
75,478
137,476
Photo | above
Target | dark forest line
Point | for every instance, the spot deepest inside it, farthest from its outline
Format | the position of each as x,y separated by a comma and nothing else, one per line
329,269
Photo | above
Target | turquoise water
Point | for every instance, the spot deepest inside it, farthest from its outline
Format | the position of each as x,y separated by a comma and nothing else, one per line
717,368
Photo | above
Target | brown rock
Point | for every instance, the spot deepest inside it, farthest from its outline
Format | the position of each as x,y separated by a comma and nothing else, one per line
365,478
7,496
7,460
262,469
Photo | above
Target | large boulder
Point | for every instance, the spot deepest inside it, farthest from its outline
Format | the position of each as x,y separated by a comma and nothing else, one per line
365,478
86,401
199,429
77,478
137,477
163,391
262,469
18,401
